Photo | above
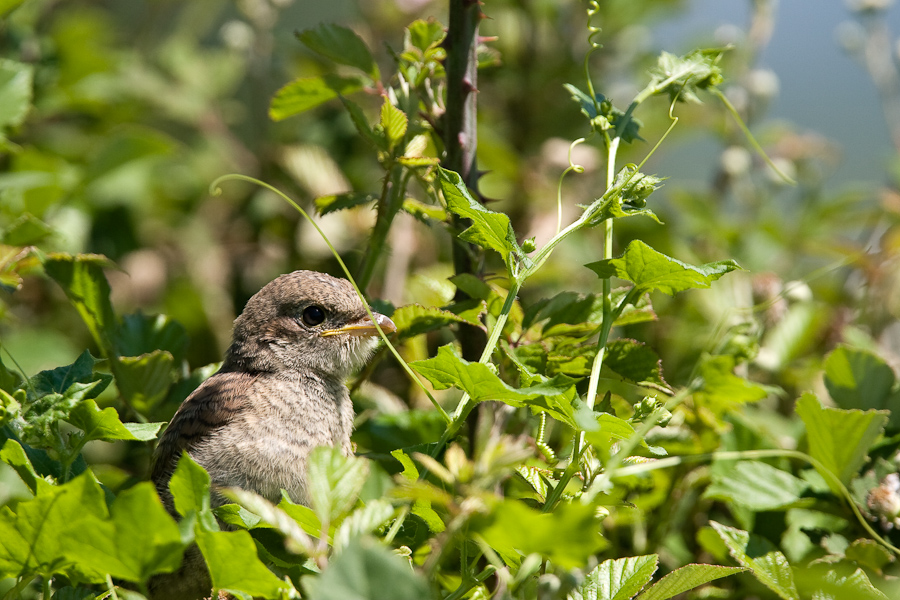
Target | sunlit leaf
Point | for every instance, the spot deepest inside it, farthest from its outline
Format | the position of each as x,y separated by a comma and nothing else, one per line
393,122
448,369
309,92
651,270
14,455
190,485
234,565
758,555
618,579
336,202
840,439
145,380
686,578
860,379
105,424
25,231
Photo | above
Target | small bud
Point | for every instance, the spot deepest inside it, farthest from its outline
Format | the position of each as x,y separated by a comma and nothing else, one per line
529,245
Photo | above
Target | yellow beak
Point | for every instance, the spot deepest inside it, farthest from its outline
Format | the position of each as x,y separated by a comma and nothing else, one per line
364,327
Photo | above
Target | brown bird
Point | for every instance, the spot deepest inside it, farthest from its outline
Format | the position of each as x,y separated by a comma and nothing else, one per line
279,394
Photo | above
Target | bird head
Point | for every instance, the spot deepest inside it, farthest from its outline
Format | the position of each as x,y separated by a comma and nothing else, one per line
304,321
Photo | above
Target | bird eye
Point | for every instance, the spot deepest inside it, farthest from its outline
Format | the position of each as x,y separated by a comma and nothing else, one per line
313,315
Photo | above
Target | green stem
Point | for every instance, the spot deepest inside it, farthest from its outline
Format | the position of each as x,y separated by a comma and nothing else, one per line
15,591
469,583
393,191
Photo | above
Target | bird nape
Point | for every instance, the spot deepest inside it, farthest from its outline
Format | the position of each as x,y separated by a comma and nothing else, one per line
279,394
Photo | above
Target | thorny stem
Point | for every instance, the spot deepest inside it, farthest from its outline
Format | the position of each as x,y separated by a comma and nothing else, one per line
393,191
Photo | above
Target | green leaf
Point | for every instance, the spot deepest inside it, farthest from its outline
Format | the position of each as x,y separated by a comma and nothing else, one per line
306,518
63,530
190,486
722,388
363,521
141,334
568,536
426,213
682,76
448,369
393,122
651,270
603,429
234,565
414,319
145,380
588,104
341,45
15,90
105,424
758,555
336,202
334,482
686,578
61,379
309,92
81,278
618,579
490,230
860,379
421,507
25,231
755,485
14,455
634,361
146,539
839,439
425,35
366,570
7,6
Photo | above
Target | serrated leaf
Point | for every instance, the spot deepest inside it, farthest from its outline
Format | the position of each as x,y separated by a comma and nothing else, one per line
394,123
415,319
448,369
618,579
366,569
839,439
336,202
755,485
61,379
15,92
342,45
490,230
421,506
334,482
306,93
234,565
758,555
362,521
602,430
686,578
651,270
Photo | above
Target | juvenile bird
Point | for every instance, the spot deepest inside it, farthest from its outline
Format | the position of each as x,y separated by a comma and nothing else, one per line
279,394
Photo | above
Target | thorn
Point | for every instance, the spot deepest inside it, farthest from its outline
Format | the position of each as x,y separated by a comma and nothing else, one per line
467,87
484,39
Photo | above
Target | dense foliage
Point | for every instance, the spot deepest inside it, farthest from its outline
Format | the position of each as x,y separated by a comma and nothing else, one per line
705,409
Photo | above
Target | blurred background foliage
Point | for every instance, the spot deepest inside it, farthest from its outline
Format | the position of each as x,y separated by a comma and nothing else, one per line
138,106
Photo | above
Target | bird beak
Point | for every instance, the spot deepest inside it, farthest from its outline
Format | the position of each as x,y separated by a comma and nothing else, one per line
364,327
